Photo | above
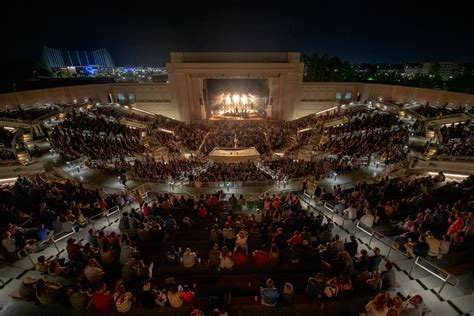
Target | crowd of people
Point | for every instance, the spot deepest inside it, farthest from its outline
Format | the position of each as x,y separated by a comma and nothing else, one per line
458,139
425,224
113,271
95,137
6,138
390,144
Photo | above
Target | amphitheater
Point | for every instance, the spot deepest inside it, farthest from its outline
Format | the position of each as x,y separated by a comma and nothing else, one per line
350,197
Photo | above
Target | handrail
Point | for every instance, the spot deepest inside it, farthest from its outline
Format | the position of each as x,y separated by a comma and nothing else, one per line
444,278
111,211
61,237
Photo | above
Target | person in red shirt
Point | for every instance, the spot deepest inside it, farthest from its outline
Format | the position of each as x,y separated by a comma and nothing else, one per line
296,239
103,300
188,295
146,210
214,201
74,250
456,226
103,206
202,212
240,258
260,258
230,221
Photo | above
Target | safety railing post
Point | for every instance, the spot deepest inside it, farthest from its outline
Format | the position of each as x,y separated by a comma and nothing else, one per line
442,286
27,254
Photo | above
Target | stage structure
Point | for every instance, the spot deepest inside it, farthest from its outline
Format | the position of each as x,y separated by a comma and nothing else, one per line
235,85
234,155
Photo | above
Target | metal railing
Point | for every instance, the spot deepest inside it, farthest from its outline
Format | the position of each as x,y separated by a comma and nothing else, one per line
439,273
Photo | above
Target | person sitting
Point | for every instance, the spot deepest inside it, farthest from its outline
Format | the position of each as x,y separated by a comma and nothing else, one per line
444,246
260,258
27,289
55,269
172,256
413,306
126,251
351,246
375,260
368,219
350,213
377,306
239,256
294,254
46,292
241,240
107,255
214,257
185,225
269,294
374,281
42,265
331,289
122,298
296,239
103,300
315,286
226,262
175,296
388,277
93,271
189,258
274,255
433,244
79,297
129,272
188,295
288,295
147,296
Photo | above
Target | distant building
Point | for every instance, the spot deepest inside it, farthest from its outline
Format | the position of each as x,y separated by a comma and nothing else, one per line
447,69
444,69
417,69
57,58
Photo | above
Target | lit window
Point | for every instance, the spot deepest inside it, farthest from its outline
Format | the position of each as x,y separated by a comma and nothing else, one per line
120,97
131,96
338,96
348,96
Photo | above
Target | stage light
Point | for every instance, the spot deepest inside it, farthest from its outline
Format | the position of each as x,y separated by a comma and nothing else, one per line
228,100
236,98
244,99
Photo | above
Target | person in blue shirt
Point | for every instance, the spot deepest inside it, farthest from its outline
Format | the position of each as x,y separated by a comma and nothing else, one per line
43,233
269,294
315,286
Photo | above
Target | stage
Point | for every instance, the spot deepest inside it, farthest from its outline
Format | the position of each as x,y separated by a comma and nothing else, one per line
234,155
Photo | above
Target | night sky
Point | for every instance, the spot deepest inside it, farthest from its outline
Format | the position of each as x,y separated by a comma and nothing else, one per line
143,33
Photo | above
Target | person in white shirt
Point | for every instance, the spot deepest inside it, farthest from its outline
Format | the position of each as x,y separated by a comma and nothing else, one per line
350,213
9,243
93,271
368,219
434,244
413,307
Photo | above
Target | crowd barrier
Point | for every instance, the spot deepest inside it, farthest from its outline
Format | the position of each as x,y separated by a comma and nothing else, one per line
431,268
